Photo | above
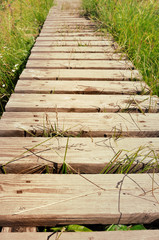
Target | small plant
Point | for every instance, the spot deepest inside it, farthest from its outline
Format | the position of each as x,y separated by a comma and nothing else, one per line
141,160
21,22
71,228
134,25
124,227
91,228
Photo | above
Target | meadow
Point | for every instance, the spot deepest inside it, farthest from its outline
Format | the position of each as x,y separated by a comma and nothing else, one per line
134,24
20,24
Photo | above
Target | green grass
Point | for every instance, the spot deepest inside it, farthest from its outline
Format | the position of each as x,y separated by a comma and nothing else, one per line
91,228
135,26
20,23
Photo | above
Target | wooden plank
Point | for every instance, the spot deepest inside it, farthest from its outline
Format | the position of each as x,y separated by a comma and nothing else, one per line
79,74
68,30
43,54
48,199
72,50
71,29
76,64
67,20
58,16
81,103
82,87
85,155
74,38
18,229
73,43
90,51
67,26
79,124
72,24
65,17
73,34
120,235
38,53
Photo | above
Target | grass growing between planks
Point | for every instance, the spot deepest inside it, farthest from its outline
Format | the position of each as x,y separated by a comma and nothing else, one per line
20,23
135,26
91,228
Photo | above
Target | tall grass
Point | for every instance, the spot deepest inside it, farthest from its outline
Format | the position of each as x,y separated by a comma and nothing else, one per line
20,23
135,26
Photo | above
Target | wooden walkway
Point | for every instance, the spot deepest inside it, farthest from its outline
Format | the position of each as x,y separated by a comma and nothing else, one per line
81,102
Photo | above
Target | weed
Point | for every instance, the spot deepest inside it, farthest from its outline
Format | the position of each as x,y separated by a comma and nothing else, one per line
134,25
21,22
141,160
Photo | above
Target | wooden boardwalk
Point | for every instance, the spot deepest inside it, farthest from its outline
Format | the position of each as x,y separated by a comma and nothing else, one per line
81,102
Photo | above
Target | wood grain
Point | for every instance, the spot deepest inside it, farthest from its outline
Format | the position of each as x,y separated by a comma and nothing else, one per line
76,64
75,38
17,229
72,50
45,200
85,155
73,34
79,74
59,53
68,30
80,124
73,43
81,103
61,26
82,87
120,235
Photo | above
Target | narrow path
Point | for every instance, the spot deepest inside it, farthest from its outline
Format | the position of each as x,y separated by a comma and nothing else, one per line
79,104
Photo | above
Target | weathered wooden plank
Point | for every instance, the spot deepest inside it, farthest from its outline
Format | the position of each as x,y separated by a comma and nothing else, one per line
58,17
43,54
69,30
82,87
45,200
55,13
81,103
79,74
67,20
76,64
120,235
91,52
73,34
74,38
85,155
73,43
70,27
86,24
72,24
18,229
79,124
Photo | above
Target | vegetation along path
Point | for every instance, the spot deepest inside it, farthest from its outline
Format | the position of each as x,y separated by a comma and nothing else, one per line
79,107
